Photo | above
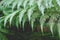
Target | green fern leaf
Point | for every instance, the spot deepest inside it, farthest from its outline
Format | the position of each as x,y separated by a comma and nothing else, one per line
25,3
41,6
19,3
13,14
58,2
32,23
24,20
31,2
8,2
6,19
17,22
51,23
21,15
14,4
1,19
30,12
42,21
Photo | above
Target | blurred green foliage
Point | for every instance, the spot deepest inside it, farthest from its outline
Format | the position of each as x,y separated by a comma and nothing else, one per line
18,12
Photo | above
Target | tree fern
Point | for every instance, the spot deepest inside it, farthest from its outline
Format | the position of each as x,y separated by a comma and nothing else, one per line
30,10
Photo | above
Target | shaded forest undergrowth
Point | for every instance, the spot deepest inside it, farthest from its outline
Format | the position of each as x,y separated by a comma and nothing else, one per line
28,34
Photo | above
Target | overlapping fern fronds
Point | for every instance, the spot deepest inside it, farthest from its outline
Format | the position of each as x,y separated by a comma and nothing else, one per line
19,11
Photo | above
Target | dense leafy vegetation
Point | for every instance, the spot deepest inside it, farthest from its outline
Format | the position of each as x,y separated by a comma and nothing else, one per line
17,12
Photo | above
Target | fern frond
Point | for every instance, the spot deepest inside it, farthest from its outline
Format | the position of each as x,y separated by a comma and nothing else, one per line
42,21
29,13
21,14
24,21
12,15
30,10
52,22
